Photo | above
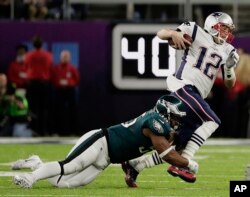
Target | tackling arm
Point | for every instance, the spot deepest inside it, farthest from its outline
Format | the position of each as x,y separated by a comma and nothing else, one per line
167,153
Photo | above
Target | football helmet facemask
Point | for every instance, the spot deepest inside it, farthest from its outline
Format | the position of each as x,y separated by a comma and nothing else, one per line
172,109
220,25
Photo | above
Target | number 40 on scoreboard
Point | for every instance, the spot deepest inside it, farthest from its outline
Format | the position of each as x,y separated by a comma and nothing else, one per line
140,60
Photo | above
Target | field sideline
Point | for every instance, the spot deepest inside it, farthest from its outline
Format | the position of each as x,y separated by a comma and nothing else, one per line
220,161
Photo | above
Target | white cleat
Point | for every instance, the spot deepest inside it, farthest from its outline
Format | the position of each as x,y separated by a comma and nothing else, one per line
25,180
32,163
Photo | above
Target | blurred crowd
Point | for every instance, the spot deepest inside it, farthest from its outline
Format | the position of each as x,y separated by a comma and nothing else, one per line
38,98
62,9
41,9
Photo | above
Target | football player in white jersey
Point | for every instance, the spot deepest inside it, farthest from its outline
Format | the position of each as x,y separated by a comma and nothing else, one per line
209,51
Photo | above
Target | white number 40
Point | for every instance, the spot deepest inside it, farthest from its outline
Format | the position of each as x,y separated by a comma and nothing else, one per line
140,56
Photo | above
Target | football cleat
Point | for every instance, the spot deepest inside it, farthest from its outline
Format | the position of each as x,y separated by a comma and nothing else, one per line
32,163
25,180
130,174
183,173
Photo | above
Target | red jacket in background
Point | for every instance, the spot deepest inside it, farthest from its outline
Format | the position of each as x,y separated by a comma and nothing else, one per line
40,64
18,73
65,75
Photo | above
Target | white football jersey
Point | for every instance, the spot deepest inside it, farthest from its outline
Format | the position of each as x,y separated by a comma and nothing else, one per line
201,61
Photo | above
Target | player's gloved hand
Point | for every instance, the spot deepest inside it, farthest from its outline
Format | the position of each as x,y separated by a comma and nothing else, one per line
193,166
232,59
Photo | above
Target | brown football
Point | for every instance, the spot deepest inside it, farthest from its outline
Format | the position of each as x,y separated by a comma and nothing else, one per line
186,36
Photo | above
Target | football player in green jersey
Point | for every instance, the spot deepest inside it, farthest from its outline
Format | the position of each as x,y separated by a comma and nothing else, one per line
96,149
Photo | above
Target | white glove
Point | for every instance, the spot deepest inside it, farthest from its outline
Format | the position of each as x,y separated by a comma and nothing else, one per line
193,166
232,59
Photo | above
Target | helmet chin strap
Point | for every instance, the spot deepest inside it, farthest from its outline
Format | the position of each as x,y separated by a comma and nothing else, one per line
218,40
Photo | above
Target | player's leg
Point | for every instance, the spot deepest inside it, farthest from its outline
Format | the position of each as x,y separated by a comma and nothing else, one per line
34,161
198,138
198,113
88,174
77,179
133,167
90,149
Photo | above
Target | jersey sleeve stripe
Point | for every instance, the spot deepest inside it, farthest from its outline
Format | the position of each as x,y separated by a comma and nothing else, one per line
194,32
183,62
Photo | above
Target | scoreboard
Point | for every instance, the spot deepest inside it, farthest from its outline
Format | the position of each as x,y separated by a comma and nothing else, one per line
140,60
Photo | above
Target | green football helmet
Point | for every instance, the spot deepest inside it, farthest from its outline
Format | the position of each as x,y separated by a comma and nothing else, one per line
172,109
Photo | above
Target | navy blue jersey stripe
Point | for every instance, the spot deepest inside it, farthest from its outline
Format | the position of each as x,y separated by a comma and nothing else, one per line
194,32
183,62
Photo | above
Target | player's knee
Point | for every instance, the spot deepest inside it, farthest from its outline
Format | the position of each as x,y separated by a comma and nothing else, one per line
206,130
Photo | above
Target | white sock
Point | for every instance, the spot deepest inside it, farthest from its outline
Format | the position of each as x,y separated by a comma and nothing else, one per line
198,138
146,161
47,170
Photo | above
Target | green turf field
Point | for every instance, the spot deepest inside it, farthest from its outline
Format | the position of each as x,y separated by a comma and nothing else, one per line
218,165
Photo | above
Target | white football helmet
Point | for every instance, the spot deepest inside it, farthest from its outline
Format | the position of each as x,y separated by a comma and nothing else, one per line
215,25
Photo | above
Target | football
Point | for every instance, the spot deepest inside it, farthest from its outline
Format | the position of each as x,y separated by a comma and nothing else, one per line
186,36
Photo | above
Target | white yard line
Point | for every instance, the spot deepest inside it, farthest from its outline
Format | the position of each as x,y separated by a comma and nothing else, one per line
9,173
48,195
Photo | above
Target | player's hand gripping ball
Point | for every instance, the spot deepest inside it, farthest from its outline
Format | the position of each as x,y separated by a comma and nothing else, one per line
186,36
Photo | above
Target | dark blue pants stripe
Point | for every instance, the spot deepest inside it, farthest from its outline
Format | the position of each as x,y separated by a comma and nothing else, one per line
189,95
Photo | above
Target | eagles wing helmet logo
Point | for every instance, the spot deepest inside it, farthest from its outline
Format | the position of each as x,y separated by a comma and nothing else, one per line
157,126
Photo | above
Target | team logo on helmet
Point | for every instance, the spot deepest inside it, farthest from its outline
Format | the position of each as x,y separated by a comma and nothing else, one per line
216,14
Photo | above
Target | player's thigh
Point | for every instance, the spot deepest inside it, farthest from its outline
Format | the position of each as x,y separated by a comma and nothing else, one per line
83,138
92,150
84,177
